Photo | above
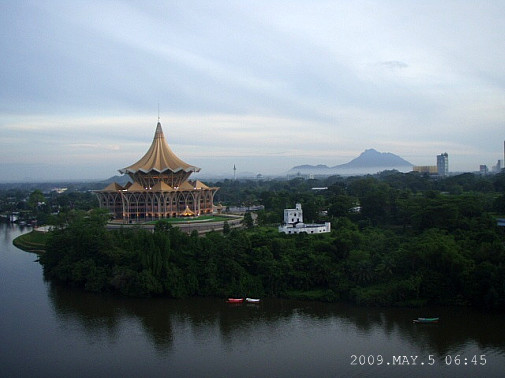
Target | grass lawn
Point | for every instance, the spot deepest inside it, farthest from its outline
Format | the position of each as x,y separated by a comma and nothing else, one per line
34,241
202,218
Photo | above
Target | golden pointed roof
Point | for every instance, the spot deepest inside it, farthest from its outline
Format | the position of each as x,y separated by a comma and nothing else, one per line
197,184
162,187
112,187
136,187
187,212
185,186
159,158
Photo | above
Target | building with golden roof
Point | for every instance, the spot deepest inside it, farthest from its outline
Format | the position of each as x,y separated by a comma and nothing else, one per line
160,188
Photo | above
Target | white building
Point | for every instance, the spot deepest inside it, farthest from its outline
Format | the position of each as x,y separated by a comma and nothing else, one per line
293,223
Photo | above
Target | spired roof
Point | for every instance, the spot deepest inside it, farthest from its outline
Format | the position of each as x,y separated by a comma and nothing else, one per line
136,187
162,187
198,184
187,212
186,186
113,187
159,158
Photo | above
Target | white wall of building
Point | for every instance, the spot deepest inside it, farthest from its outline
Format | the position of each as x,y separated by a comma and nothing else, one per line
293,223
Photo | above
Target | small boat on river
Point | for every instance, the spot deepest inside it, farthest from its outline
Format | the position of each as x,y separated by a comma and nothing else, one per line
426,320
235,300
252,300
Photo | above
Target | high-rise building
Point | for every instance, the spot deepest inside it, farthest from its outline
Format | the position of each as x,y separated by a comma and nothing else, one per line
443,164
160,189
498,167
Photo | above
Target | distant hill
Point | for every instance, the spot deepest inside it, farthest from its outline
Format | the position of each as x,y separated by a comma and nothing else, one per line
370,161
121,180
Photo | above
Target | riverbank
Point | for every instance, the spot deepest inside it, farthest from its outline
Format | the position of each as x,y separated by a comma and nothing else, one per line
34,241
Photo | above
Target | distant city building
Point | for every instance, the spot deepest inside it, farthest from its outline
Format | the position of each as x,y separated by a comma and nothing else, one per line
498,167
243,209
161,188
293,223
441,169
430,169
483,170
500,164
443,164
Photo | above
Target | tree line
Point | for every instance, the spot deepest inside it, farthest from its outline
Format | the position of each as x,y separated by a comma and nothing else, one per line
397,239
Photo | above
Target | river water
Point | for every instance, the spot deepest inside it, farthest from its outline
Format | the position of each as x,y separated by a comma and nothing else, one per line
51,331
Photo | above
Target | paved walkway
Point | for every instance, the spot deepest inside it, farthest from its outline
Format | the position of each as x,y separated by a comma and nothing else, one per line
235,221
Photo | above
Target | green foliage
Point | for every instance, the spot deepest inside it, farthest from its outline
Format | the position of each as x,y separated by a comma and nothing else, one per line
415,241
162,226
35,199
226,228
34,241
248,221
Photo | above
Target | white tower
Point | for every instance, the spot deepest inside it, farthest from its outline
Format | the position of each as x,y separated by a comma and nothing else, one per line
293,216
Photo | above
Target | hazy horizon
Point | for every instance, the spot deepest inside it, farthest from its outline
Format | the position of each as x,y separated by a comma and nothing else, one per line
264,85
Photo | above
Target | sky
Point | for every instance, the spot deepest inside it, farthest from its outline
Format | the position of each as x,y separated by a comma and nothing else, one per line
262,85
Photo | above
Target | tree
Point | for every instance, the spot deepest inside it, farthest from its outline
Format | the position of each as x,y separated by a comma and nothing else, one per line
36,198
162,226
226,228
248,221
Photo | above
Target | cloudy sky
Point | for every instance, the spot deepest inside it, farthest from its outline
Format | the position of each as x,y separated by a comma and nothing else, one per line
264,85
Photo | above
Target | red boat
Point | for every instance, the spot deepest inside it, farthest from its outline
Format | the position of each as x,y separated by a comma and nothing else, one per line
235,300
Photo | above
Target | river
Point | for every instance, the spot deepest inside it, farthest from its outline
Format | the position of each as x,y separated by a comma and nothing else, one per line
52,331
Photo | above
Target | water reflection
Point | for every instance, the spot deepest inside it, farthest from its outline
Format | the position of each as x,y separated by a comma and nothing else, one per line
9,232
164,320
58,328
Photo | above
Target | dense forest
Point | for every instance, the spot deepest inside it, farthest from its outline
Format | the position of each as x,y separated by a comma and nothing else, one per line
397,239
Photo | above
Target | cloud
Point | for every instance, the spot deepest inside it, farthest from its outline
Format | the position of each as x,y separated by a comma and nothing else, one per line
264,79
87,146
393,64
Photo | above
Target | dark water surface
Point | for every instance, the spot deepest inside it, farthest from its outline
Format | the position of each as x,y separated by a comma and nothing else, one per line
51,331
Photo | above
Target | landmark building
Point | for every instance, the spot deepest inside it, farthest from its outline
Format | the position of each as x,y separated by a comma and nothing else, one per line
160,188
293,223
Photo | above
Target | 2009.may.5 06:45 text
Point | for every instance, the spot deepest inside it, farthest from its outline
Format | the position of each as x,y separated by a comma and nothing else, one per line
401,360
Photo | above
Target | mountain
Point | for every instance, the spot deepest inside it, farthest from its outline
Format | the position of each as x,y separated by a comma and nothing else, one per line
372,158
121,180
370,161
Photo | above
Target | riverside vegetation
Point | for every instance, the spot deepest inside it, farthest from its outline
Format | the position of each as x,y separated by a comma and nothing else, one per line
397,239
